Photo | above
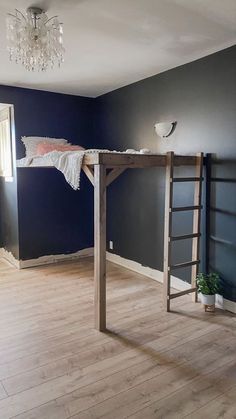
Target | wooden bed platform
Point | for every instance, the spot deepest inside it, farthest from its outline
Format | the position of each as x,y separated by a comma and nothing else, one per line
111,160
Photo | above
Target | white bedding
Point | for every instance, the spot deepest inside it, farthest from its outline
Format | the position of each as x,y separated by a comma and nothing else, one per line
37,161
68,162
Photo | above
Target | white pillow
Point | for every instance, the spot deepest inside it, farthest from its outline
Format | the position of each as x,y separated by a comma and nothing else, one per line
31,143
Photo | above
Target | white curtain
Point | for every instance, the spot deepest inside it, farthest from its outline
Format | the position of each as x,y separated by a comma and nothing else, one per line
5,143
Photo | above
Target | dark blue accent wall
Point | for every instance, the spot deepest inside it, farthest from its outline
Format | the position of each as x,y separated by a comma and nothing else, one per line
201,97
52,218
40,214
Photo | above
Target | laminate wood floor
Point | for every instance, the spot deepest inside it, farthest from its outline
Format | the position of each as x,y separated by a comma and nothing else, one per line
150,364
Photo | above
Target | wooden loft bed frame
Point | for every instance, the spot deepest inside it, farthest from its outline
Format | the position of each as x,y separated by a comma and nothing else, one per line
96,166
102,168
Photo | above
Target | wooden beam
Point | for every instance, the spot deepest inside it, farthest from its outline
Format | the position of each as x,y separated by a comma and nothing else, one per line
187,179
89,173
180,293
100,246
197,222
114,175
112,160
190,208
168,228
184,264
185,237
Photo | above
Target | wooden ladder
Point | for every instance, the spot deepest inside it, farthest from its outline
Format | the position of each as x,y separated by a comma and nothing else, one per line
195,236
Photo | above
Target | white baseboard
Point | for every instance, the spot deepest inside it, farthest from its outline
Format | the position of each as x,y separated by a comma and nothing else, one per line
225,304
146,271
176,283
8,256
45,260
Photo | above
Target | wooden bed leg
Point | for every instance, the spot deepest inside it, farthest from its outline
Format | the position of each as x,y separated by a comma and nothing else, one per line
100,246
197,223
168,227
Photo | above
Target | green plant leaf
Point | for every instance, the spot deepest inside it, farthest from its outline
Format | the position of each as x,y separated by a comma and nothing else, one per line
208,284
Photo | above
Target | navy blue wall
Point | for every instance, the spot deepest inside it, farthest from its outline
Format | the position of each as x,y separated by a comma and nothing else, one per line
201,96
52,217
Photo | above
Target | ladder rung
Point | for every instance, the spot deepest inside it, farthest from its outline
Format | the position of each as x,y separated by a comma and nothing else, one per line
186,236
178,294
187,179
184,264
192,208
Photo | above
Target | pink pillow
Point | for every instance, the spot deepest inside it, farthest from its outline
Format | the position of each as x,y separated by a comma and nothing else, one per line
44,148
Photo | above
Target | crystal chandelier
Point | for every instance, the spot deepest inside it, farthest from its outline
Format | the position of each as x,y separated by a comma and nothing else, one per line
34,40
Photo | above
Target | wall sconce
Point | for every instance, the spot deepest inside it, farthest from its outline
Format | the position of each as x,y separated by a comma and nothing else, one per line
165,129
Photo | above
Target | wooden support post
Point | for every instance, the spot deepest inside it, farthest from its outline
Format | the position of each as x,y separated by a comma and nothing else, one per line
208,211
197,221
168,228
100,246
89,173
114,173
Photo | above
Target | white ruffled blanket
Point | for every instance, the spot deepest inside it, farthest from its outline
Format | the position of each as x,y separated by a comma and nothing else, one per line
68,162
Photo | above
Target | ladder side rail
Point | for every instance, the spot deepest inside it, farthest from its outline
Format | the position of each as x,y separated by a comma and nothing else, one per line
197,221
168,228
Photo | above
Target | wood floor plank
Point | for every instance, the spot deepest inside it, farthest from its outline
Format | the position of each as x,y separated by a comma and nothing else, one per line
75,344
81,395
70,348
222,407
54,365
128,402
3,393
110,348
188,401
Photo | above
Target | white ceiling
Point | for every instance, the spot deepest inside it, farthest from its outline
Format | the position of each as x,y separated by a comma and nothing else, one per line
112,43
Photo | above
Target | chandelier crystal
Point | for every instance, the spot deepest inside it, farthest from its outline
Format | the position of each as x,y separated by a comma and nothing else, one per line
34,40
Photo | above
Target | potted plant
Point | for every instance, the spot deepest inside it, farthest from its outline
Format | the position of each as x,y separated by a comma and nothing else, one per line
208,285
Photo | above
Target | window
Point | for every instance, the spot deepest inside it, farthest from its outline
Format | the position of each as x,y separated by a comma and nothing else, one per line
5,142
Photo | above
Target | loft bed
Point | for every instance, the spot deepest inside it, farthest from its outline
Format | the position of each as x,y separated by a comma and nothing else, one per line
102,168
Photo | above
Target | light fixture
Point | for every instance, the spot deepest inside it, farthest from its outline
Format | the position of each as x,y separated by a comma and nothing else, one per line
165,129
35,40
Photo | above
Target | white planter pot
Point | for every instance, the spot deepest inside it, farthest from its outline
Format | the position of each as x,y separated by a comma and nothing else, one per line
208,300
